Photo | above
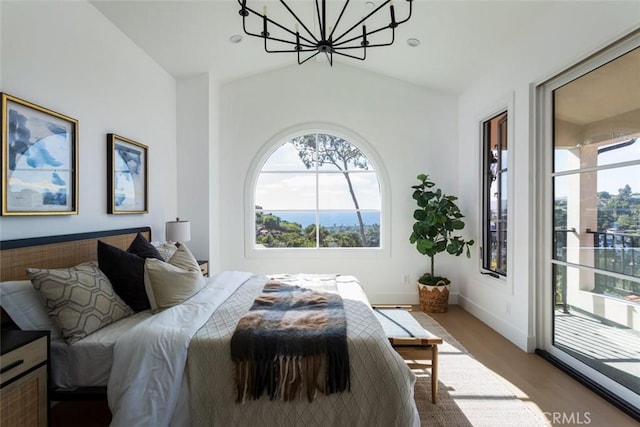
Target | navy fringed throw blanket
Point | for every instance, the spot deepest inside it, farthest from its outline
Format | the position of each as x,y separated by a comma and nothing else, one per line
292,342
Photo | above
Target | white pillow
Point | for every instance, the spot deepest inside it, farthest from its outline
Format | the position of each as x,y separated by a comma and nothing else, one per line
166,249
169,283
26,307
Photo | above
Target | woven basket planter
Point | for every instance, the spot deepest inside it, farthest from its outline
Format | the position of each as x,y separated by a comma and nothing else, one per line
434,299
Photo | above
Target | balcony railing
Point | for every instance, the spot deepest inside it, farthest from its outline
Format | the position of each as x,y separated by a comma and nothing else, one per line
616,252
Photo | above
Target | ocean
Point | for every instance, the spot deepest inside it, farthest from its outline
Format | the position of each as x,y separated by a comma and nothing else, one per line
328,219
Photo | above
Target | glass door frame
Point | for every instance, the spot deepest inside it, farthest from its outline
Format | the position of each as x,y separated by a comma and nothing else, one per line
543,163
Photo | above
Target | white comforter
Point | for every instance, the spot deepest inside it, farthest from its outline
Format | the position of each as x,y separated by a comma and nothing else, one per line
148,385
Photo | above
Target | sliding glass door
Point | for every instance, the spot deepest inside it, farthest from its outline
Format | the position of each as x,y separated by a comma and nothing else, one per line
592,297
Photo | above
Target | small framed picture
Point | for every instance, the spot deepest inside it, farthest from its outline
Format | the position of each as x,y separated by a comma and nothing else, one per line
39,160
127,176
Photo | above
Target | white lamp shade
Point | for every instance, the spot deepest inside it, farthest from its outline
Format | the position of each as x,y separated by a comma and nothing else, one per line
178,231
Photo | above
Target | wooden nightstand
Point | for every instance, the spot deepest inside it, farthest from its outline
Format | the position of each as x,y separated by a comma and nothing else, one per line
204,267
24,376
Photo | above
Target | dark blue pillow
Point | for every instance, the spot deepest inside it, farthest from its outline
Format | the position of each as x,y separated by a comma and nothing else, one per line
126,273
141,247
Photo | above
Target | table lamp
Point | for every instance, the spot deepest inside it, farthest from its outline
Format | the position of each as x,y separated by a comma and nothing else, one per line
178,231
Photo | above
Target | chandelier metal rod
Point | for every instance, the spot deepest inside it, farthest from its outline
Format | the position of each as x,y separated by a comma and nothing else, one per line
393,26
393,33
364,54
264,17
321,22
299,47
335,26
312,56
313,36
357,24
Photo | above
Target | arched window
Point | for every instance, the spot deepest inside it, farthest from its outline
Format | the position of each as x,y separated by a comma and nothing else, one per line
317,190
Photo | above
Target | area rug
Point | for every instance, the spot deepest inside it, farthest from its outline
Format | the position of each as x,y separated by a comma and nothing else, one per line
469,394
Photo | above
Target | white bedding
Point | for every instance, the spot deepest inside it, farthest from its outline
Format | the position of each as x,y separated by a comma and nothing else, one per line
87,362
146,382
148,385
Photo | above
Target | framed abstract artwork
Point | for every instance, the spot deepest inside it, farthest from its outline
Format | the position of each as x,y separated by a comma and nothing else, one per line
39,160
127,176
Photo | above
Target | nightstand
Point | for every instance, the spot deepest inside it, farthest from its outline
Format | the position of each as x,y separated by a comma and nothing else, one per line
204,267
24,359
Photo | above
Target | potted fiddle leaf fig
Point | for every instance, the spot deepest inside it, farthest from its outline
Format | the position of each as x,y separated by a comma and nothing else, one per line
438,218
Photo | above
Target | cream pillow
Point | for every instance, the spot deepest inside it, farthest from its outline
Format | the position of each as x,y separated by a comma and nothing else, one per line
169,283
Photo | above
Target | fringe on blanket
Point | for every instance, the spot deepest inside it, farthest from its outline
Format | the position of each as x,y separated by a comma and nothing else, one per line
289,363
288,378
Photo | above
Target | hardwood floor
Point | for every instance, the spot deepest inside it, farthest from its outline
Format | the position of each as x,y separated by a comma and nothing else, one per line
543,386
546,388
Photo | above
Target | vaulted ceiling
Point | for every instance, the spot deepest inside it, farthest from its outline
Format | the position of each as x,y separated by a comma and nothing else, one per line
459,39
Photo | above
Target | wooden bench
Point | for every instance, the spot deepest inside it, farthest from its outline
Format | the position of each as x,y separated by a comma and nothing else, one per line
417,346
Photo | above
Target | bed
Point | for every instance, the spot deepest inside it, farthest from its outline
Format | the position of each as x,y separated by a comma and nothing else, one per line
174,367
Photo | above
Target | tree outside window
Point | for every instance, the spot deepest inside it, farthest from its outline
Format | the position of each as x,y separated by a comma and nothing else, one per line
317,190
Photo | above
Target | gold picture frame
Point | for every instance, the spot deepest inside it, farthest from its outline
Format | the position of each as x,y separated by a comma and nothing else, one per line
39,160
127,176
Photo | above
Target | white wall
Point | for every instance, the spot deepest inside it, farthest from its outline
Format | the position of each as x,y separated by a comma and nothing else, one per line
195,135
412,129
68,57
568,33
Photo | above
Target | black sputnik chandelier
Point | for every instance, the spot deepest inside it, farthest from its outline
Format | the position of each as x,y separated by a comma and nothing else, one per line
329,38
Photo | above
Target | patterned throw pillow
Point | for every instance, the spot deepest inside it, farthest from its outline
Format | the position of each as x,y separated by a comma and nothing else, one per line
169,283
79,299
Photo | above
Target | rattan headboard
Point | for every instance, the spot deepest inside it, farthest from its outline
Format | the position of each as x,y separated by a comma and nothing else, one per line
59,251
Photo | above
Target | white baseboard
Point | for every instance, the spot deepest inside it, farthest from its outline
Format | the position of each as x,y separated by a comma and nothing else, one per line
393,298
403,298
504,328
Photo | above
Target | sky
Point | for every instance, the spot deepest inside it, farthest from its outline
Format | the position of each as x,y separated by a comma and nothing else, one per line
609,179
295,188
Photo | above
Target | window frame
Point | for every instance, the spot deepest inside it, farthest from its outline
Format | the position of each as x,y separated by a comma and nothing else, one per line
503,104
500,173
255,169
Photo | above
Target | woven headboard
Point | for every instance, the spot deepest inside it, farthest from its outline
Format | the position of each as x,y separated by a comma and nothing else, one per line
59,251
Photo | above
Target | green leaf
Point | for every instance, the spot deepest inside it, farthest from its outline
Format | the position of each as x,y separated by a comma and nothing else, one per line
458,225
424,245
419,214
427,243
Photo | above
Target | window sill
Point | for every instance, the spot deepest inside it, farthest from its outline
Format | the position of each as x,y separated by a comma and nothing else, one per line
321,253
